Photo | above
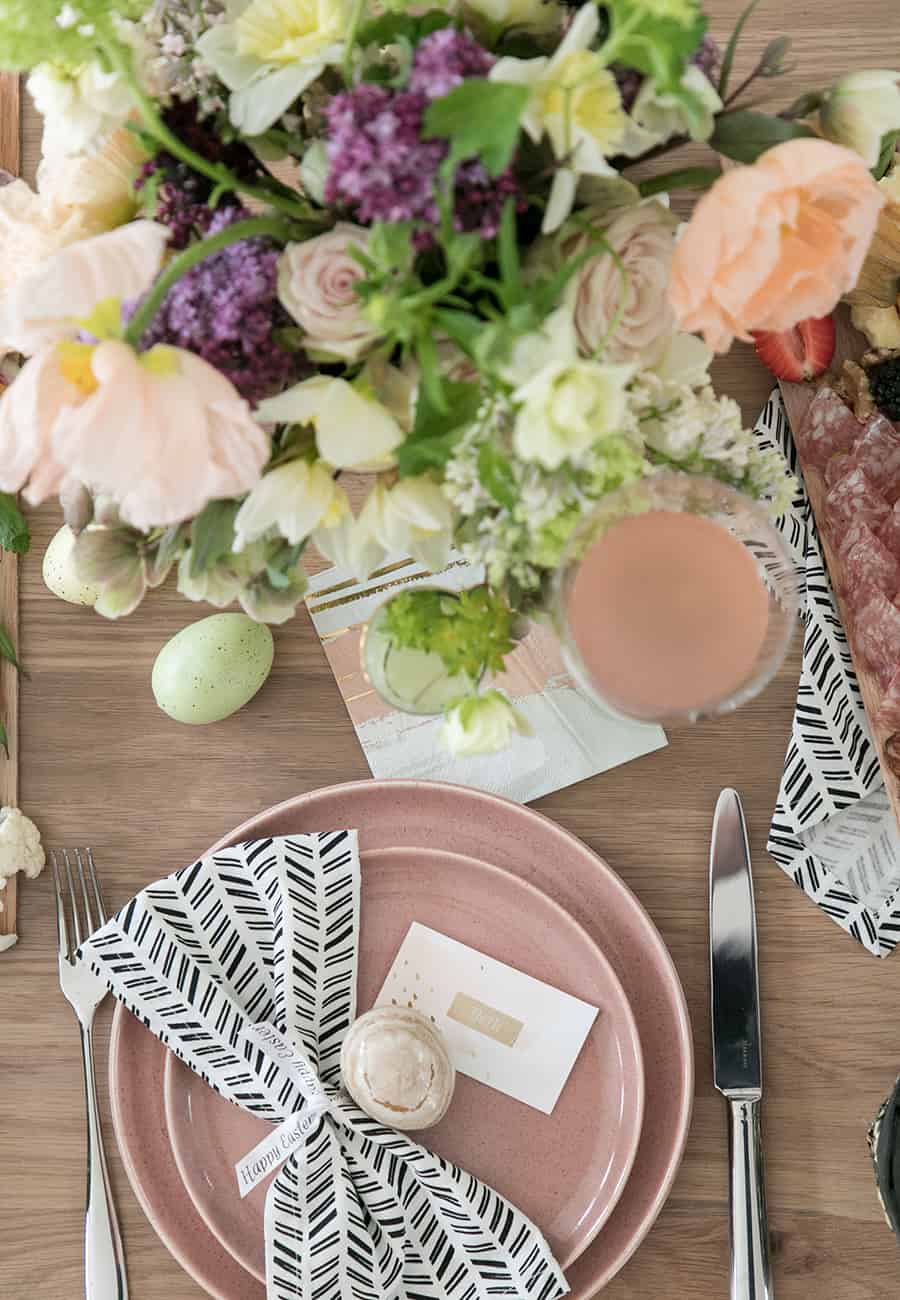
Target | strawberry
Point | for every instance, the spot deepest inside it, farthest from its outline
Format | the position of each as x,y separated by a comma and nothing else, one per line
799,353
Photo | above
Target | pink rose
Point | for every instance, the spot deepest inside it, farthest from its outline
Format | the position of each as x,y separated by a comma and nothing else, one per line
641,240
775,243
316,284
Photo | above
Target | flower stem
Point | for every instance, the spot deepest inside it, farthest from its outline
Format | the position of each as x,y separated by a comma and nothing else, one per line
224,178
274,227
356,14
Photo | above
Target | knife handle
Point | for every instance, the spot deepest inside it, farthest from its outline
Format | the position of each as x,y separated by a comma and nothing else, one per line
750,1278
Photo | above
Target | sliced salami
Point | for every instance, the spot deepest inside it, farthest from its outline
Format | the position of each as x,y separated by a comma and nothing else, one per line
889,709
837,466
858,531
854,498
829,427
889,532
868,564
878,637
877,451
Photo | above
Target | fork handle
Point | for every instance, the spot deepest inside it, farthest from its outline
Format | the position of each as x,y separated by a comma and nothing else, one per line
104,1259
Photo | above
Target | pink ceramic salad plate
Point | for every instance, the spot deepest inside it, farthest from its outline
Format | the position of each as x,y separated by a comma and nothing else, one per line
472,901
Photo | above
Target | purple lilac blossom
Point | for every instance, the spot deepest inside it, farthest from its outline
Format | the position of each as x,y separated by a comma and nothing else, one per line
383,170
225,309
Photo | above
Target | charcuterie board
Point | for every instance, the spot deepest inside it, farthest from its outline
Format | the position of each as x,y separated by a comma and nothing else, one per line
840,492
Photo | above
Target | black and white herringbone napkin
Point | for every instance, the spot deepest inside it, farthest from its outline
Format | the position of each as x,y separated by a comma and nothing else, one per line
833,831
244,964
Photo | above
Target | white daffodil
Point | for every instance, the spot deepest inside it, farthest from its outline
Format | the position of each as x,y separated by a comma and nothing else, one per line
861,109
413,517
268,51
295,499
482,724
567,407
657,116
575,102
349,545
353,431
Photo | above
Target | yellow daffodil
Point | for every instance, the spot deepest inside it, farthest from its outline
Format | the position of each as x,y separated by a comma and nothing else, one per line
576,103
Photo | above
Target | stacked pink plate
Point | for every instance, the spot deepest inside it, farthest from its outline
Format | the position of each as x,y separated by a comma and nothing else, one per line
508,882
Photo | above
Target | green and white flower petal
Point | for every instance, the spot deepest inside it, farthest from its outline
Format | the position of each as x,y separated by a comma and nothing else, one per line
482,724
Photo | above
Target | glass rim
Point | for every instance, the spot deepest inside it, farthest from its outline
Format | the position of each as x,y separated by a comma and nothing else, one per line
763,673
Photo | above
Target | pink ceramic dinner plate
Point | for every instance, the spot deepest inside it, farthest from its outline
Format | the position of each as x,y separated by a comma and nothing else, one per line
583,1152
415,814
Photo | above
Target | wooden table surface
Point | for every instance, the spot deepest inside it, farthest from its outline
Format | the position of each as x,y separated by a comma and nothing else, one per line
101,764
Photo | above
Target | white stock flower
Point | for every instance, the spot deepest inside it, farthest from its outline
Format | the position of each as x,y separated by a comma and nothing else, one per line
574,101
352,431
316,285
860,109
482,724
554,341
568,406
656,116
79,108
269,51
295,499
686,361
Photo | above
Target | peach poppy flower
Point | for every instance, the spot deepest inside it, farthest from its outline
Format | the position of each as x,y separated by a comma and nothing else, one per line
772,244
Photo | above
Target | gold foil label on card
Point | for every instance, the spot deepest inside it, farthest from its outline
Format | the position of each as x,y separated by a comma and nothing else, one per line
486,1020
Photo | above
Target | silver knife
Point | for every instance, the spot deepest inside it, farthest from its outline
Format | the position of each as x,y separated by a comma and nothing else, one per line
737,1052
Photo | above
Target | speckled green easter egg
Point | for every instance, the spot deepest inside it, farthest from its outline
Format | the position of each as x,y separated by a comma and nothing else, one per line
210,669
59,572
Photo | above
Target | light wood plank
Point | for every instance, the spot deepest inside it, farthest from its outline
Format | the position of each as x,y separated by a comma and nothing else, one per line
9,570
99,761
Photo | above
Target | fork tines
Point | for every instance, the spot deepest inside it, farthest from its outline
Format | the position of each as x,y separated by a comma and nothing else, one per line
83,903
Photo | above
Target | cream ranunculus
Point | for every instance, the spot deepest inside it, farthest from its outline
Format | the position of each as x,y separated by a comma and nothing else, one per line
567,407
574,101
482,724
353,431
619,298
79,108
270,51
860,109
99,186
657,115
296,499
316,284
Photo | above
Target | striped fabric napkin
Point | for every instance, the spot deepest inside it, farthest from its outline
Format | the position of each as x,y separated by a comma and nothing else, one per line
833,830
244,964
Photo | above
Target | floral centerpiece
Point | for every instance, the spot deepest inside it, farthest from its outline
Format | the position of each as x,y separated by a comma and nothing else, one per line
274,242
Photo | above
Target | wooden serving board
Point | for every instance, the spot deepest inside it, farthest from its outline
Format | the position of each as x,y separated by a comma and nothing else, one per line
9,571
797,397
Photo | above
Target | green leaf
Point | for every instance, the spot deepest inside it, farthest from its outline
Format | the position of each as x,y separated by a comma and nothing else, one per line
886,155
14,533
435,432
4,739
480,118
687,178
495,472
391,27
657,46
731,47
508,250
212,535
745,134
8,650
462,327
805,105
277,578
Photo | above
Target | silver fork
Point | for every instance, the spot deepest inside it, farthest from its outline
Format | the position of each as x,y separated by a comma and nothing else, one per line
78,913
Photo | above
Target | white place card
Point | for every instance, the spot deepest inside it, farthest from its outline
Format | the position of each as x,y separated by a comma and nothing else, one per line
502,1027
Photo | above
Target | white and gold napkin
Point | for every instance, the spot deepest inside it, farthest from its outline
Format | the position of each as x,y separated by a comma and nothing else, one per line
244,964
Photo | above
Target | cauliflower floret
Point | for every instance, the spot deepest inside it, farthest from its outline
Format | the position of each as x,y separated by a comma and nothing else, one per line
20,846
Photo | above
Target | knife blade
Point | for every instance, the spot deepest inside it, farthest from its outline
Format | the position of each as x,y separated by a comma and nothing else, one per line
737,1043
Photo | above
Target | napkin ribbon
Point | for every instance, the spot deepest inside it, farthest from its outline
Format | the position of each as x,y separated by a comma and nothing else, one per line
244,964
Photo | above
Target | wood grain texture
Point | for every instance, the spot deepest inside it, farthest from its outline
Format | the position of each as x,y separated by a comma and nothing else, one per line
100,763
850,345
9,571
